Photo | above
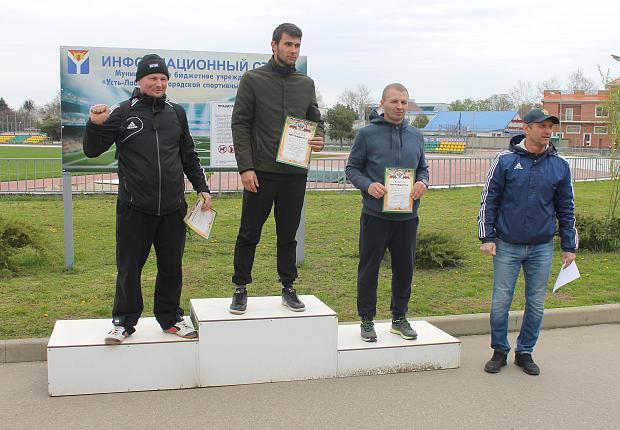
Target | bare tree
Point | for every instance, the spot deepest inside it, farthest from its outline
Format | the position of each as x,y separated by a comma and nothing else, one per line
523,97
51,108
577,81
357,99
548,84
500,102
28,106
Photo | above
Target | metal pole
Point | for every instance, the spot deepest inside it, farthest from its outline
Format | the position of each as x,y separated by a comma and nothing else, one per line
68,219
300,236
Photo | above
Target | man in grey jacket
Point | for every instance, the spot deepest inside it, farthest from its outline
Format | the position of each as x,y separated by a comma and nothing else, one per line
387,142
265,97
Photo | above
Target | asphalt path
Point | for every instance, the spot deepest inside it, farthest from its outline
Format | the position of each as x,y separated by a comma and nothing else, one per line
578,388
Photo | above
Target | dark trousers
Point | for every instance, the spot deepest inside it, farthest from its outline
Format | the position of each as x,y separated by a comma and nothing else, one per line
287,198
377,235
135,233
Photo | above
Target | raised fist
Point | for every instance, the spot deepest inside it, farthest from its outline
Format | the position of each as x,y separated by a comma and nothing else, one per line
99,113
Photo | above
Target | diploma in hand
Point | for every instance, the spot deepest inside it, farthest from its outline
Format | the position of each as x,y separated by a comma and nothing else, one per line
398,185
294,148
198,220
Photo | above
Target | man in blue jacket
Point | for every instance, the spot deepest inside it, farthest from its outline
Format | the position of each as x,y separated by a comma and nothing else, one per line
528,187
387,142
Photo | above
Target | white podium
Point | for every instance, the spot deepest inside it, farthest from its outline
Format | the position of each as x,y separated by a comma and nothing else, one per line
79,362
432,350
266,344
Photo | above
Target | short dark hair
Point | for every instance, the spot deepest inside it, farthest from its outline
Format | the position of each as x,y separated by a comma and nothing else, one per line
287,28
394,86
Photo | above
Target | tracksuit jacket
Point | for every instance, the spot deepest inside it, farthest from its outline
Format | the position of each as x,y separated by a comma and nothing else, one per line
155,150
379,145
524,194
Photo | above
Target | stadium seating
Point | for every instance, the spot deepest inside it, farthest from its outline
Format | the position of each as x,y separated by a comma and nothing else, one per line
444,144
23,138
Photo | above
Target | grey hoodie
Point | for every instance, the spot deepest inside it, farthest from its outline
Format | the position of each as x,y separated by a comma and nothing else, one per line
379,145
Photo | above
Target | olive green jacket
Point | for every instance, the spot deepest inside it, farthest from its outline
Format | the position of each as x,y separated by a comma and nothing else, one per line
265,97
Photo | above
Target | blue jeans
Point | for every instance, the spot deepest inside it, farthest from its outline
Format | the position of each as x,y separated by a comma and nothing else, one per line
536,263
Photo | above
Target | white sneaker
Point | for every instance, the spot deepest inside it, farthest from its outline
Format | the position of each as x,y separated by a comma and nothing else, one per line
116,335
183,329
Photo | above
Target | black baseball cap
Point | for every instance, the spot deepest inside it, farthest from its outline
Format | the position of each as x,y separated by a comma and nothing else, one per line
539,115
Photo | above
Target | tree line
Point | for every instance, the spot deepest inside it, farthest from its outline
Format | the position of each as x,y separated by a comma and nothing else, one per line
32,117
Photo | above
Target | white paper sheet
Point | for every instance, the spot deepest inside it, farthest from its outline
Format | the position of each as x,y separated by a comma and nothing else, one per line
566,275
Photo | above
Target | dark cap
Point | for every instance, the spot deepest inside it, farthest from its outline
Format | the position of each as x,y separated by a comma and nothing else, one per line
151,63
539,115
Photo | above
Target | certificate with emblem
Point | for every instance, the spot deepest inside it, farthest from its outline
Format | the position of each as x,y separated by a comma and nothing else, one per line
294,148
398,187
198,220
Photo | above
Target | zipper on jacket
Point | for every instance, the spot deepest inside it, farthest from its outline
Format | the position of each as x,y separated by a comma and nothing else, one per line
159,168
158,161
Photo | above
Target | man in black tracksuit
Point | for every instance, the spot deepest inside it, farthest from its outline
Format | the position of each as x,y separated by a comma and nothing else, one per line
265,97
155,150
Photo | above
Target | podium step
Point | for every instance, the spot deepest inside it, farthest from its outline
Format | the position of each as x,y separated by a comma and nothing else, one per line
79,362
266,344
432,350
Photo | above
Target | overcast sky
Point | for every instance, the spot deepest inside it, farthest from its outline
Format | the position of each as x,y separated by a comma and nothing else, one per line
441,50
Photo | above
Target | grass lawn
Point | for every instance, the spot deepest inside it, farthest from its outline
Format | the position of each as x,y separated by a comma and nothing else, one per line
43,291
30,152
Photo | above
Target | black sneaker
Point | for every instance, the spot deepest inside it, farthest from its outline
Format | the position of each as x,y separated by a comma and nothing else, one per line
525,362
239,301
402,327
291,301
367,331
495,364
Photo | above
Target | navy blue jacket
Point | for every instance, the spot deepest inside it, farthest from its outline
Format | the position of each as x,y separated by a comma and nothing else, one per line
524,194
379,145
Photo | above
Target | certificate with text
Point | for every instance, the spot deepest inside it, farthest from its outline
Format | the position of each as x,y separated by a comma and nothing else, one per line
398,187
198,220
294,148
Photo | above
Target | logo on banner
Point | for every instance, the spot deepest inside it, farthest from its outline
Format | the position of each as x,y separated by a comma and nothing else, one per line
78,62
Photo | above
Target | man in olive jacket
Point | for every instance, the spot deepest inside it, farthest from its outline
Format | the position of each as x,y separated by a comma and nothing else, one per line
266,96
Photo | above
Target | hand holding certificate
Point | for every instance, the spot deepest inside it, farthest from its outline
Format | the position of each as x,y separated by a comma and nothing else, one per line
294,148
398,190
198,220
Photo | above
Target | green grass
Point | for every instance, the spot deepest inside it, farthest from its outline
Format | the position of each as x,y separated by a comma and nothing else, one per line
28,152
43,291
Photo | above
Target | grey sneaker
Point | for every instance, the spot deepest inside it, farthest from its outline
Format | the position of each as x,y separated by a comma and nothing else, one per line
367,331
402,327
239,301
291,301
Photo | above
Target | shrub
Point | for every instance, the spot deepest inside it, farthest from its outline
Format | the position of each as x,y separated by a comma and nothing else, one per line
14,236
437,250
598,234
433,251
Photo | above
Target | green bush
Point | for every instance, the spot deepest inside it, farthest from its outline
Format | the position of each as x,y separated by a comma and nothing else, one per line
437,250
433,251
14,236
598,234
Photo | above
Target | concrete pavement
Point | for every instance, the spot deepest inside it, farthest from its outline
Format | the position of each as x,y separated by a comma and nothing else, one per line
579,388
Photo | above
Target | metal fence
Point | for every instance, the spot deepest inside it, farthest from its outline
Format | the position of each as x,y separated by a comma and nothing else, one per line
43,176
